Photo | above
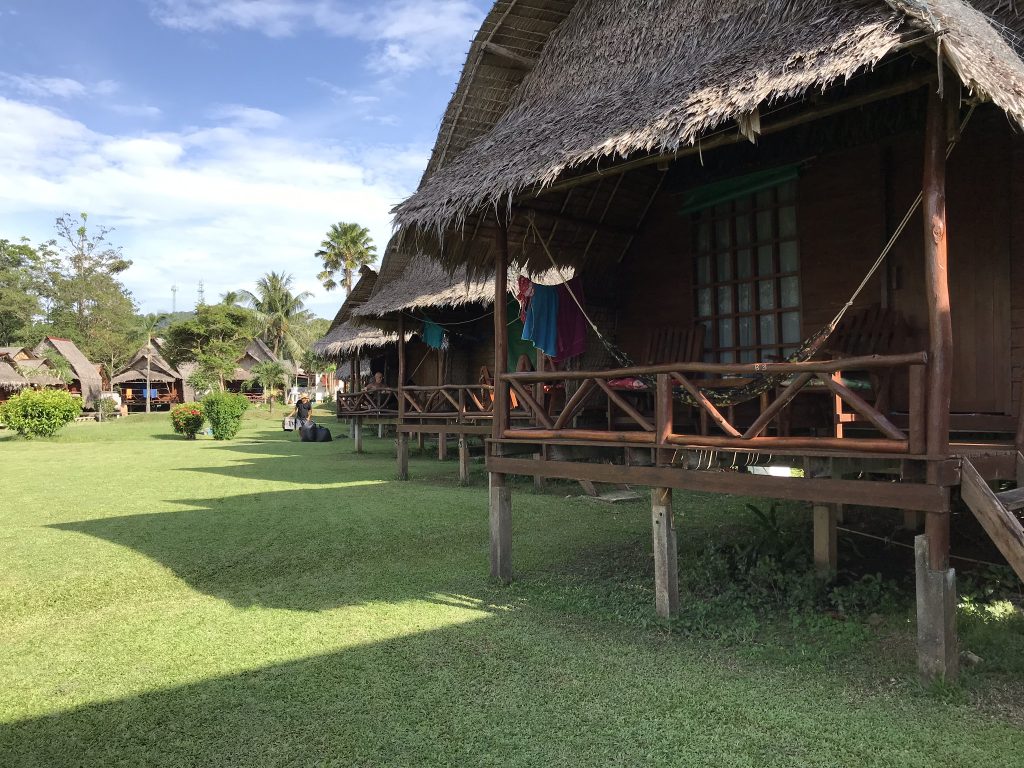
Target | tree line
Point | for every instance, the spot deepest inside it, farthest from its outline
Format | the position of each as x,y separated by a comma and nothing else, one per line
70,287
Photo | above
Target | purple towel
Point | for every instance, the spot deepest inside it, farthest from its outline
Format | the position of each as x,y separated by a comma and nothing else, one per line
572,326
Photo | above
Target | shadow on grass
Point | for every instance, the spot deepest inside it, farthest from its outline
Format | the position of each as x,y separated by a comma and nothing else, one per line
310,549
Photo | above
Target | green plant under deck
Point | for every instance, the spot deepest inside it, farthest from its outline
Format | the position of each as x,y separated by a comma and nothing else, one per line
267,602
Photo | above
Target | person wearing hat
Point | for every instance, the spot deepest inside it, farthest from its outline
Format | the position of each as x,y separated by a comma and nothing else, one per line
302,412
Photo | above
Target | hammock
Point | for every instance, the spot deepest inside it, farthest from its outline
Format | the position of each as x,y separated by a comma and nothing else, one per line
753,387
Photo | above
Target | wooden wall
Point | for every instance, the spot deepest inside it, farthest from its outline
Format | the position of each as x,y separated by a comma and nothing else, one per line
849,200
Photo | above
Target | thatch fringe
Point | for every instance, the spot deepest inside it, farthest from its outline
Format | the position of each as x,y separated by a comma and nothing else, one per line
618,78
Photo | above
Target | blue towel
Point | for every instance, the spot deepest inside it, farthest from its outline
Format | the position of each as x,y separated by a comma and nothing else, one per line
433,334
541,325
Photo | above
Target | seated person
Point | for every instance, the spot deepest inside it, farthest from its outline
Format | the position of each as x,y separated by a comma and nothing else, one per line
377,382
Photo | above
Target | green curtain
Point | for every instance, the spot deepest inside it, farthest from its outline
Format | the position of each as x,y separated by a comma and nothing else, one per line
517,345
729,189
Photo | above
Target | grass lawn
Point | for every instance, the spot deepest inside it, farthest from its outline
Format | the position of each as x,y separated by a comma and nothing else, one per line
265,602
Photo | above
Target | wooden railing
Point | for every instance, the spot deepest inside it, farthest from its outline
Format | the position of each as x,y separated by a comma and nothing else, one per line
368,403
459,402
456,402
658,425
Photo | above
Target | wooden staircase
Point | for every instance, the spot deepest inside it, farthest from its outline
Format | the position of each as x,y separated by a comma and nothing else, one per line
997,512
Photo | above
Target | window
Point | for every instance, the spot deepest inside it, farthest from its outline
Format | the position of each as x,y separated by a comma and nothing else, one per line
747,276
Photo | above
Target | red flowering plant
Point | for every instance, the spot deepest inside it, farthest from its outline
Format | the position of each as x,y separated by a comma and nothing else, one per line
187,419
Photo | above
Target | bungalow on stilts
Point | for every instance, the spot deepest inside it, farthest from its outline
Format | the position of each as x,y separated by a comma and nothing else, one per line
798,223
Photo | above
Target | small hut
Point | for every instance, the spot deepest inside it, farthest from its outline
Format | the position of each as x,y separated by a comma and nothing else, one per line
86,380
257,352
11,382
352,344
162,384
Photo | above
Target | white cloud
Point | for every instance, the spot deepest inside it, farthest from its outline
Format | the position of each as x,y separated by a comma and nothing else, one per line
405,35
241,116
42,87
136,110
222,203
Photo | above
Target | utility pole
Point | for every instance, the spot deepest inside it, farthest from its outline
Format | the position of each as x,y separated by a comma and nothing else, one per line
174,299
202,295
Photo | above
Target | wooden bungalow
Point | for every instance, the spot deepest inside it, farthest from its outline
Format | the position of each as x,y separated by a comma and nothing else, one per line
442,323
241,380
87,380
149,370
803,223
353,345
11,381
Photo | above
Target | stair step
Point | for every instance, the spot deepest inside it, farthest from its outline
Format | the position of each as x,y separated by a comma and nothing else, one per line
1012,500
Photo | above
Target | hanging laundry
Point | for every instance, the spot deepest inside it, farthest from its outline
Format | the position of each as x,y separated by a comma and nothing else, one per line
432,334
541,325
572,324
518,347
524,293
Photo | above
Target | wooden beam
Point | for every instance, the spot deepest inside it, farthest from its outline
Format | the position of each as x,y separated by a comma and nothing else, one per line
866,362
826,539
818,490
727,136
508,58
940,326
557,216
402,438
500,512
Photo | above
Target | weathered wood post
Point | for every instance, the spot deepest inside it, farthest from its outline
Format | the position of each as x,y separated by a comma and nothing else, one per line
826,542
357,423
663,527
666,567
937,653
500,494
463,460
401,437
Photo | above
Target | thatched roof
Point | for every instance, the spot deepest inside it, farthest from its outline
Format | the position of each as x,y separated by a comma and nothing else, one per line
424,284
86,372
160,369
10,379
37,371
617,79
347,339
13,353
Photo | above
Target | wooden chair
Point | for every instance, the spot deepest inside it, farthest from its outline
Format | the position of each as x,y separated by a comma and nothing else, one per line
874,330
664,344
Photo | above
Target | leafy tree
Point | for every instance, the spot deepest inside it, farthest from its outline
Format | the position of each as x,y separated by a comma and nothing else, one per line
278,311
269,375
214,338
21,288
346,248
85,300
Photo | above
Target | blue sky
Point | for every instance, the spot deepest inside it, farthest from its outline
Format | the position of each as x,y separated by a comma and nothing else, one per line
221,138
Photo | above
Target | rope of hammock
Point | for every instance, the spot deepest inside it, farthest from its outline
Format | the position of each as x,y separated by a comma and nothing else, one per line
759,384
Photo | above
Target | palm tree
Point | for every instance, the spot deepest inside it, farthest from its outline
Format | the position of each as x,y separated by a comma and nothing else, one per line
230,298
269,375
277,310
346,248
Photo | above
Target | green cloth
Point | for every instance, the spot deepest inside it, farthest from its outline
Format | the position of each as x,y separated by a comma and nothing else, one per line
432,334
517,345
729,189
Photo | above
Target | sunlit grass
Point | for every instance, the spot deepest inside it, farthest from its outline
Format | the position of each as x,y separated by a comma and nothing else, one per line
267,602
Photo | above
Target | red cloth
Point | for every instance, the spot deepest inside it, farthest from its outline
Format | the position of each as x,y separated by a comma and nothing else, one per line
523,294
630,384
572,326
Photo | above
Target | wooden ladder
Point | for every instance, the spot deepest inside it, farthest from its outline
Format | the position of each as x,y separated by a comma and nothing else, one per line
997,512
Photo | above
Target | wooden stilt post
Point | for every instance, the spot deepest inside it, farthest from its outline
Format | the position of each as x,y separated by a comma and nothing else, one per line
500,495
666,568
380,431
420,442
463,460
936,581
401,437
442,446
826,540
357,423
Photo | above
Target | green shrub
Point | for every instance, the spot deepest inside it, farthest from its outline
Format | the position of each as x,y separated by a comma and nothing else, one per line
224,411
106,408
187,419
41,413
